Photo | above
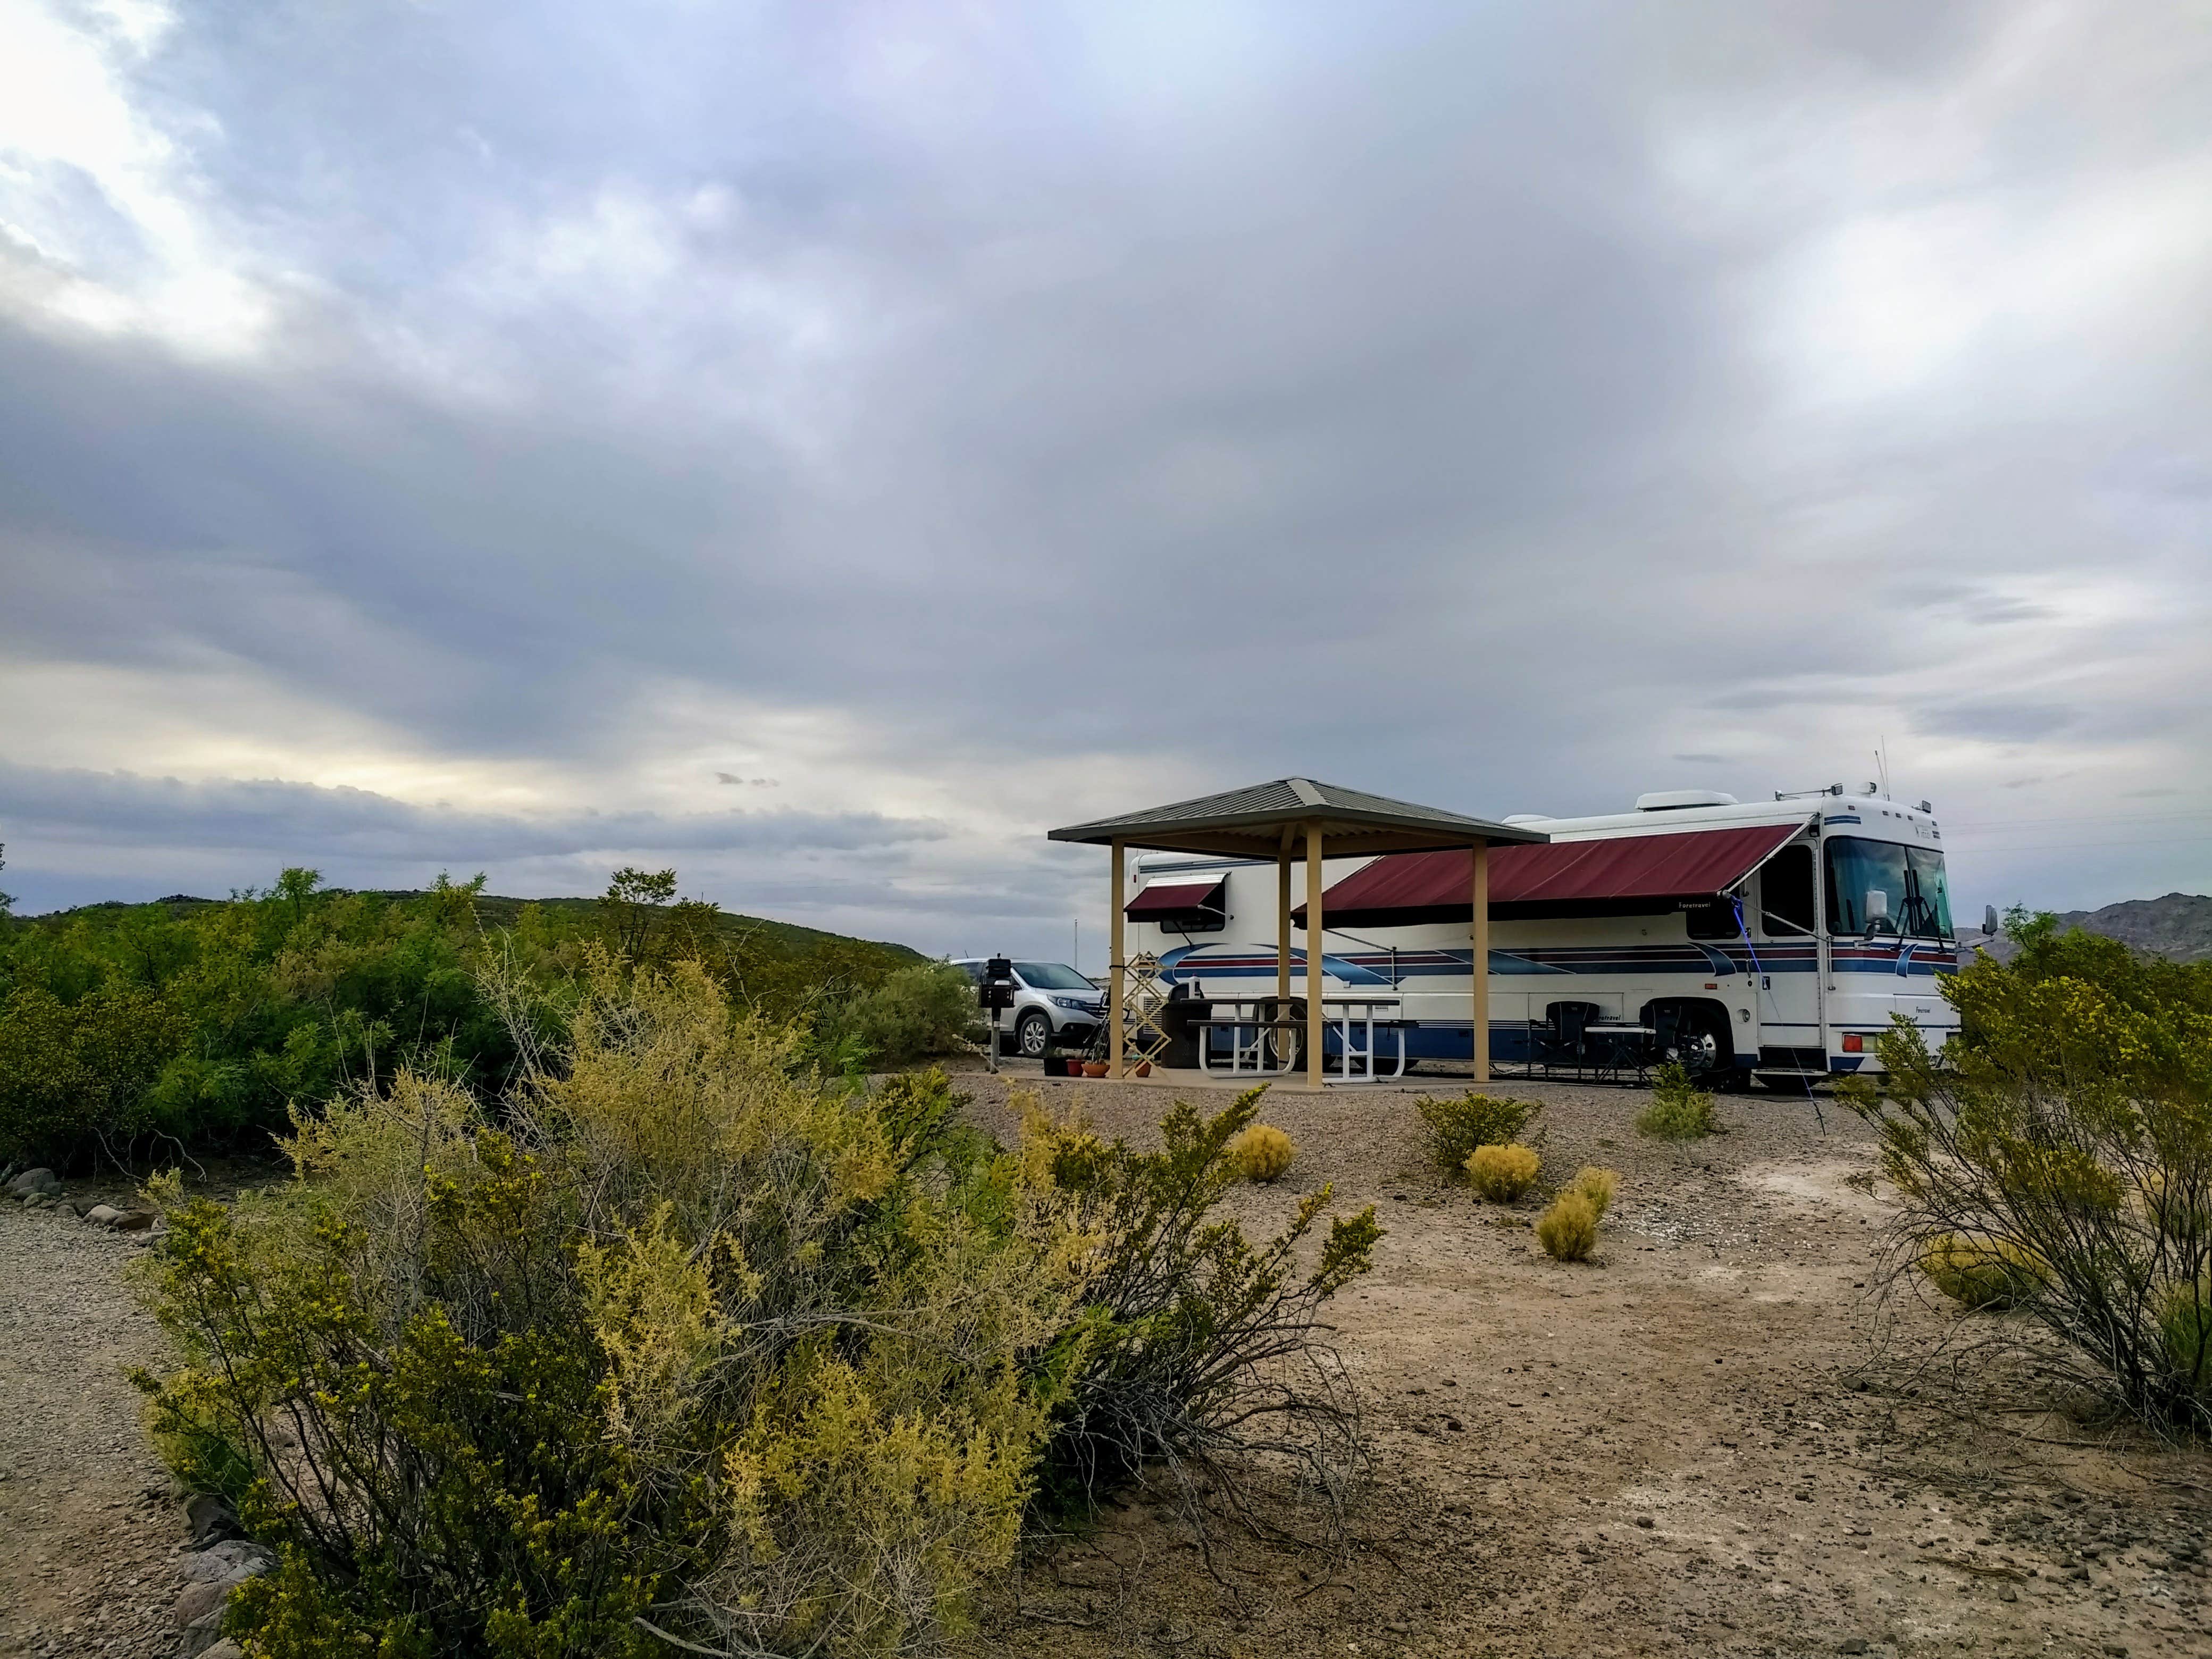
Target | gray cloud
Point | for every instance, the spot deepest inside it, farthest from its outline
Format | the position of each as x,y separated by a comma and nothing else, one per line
1995,720
303,822
1008,410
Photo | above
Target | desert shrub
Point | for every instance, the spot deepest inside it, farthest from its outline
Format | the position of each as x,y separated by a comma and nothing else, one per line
2066,1144
1263,1153
1679,1109
1568,1228
687,1340
1975,1276
1598,1185
75,1076
1452,1127
128,1027
1198,1358
2184,1326
686,1344
1502,1174
918,1011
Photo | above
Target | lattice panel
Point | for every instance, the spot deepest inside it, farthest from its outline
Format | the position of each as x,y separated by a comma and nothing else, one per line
1143,997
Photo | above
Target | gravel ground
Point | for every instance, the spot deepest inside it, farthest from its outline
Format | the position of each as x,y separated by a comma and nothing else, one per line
94,1530
1686,1447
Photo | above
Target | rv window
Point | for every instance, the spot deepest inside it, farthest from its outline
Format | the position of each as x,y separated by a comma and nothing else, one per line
1714,920
1785,893
1879,887
1197,920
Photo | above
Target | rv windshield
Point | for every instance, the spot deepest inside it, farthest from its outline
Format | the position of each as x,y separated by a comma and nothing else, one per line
1878,887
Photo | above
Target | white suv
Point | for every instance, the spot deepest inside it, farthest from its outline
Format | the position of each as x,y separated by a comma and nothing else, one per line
1053,1005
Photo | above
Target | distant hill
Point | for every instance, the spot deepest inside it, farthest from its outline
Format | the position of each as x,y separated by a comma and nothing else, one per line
496,911
2177,926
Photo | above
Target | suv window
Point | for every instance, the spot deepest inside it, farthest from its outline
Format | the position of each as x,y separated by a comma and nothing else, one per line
1051,976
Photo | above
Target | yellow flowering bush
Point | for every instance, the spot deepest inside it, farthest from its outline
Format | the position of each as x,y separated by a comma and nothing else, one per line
1263,1153
2056,1160
690,1344
1568,1228
690,1340
1502,1174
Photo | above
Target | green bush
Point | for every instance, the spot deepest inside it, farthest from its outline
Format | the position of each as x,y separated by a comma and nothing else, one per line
1679,1110
916,1013
74,1076
684,1340
1453,1126
126,1028
686,1343
2066,1138
1196,1358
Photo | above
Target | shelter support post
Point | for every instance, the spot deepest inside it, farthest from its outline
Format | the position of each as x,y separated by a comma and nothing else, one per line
1314,975
1283,922
1117,971
1479,938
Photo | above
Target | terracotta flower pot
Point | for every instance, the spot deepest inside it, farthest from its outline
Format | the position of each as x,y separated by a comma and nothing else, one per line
1094,1068
1142,1068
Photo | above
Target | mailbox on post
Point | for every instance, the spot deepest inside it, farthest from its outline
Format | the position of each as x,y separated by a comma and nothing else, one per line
994,991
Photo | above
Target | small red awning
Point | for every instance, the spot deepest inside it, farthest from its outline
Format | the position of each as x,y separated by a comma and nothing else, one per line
1618,874
1176,898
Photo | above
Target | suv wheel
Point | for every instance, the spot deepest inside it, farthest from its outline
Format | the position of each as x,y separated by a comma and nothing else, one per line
1033,1036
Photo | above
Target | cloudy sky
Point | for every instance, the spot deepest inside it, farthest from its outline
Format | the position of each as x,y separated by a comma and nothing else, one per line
821,446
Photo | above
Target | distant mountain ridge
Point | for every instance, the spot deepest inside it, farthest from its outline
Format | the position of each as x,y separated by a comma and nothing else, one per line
496,910
2177,926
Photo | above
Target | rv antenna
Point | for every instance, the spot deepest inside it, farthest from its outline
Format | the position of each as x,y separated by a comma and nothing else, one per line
1882,764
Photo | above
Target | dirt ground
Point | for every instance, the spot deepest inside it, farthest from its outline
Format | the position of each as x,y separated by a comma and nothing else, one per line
92,1531
1681,1448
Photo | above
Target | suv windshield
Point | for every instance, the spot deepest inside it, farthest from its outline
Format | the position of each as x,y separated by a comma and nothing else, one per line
1878,887
1052,976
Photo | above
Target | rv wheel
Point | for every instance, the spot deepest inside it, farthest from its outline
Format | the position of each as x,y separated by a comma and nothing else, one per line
1701,1044
1034,1035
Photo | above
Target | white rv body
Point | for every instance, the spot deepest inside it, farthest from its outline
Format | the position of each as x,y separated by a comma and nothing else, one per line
1774,995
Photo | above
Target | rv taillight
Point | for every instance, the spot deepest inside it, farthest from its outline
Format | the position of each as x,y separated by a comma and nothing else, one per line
1854,1043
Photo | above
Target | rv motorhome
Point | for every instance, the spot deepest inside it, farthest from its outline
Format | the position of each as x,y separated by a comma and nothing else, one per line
1769,940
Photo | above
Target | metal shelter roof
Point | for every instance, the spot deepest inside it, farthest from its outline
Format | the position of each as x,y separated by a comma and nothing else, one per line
1252,824
1612,874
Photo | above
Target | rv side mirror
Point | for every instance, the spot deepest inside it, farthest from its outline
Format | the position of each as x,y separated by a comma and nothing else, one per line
1989,920
1877,905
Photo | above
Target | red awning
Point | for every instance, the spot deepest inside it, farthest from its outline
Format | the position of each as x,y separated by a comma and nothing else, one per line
1166,898
1618,874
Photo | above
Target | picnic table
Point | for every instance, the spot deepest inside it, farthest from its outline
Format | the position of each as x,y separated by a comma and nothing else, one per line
1266,1037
